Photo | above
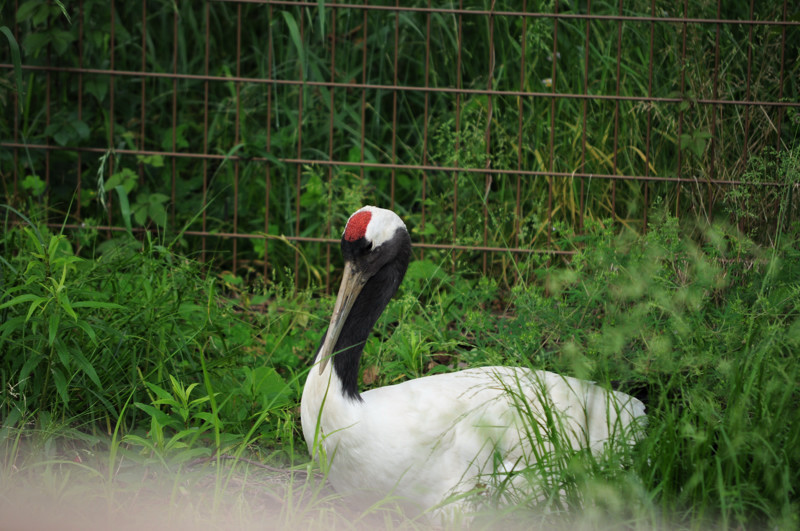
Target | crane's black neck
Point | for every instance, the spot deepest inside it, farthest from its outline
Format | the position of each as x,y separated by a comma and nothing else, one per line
366,310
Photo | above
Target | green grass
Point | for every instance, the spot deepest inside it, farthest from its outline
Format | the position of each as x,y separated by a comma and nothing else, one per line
132,373
175,373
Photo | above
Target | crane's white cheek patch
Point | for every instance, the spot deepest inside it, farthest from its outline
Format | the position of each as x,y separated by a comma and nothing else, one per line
383,226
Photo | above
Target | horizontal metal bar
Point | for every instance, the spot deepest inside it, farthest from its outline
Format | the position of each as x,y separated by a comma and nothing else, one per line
390,166
307,239
484,12
400,88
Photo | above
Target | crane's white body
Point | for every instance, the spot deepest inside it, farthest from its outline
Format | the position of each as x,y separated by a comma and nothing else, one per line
430,438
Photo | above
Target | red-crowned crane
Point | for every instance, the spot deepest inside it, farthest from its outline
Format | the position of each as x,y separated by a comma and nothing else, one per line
426,439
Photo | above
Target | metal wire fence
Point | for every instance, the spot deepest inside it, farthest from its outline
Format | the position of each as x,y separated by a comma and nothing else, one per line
492,127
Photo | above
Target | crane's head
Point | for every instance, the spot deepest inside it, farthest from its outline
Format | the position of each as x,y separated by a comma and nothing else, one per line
376,249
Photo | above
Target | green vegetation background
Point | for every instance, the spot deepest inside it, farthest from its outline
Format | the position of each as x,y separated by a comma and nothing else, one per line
129,349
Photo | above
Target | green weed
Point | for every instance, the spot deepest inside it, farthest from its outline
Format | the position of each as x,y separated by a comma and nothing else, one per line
122,361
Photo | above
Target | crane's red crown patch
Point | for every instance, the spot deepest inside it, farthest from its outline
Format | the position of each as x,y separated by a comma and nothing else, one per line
357,226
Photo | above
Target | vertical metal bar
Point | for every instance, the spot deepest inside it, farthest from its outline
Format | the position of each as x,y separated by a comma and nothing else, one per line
649,115
79,184
394,103
584,104
488,136
616,117
47,137
205,134
715,95
268,167
236,124
780,85
328,229
425,119
520,110
299,169
457,155
16,113
143,90
175,114
745,150
111,82
552,127
363,91
680,114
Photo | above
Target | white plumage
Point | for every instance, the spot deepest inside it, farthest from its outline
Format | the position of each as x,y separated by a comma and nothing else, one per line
429,438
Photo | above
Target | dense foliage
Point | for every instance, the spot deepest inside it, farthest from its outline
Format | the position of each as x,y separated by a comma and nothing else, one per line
173,363
253,126
131,348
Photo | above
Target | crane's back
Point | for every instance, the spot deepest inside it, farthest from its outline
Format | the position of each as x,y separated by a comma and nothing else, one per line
433,437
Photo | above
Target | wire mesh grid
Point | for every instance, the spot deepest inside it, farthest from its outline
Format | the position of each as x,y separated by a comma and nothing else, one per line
493,128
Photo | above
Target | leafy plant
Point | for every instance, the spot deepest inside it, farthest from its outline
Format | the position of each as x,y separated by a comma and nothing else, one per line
763,205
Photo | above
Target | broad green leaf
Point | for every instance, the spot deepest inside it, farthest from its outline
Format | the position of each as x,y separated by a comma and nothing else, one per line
269,388
29,366
158,213
35,304
63,353
124,207
294,32
192,453
35,42
140,213
63,10
126,177
140,441
52,328
11,419
189,390
157,415
97,87
80,128
198,401
61,40
83,325
176,442
163,394
156,161
34,185
60,383
27,9
63,301
61,133
86,367
685,140
209,418
27,297
52,247
321,13
15,59
41,15
98,304
8,265
11,324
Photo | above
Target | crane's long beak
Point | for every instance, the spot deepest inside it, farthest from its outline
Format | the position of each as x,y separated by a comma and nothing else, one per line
352,282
